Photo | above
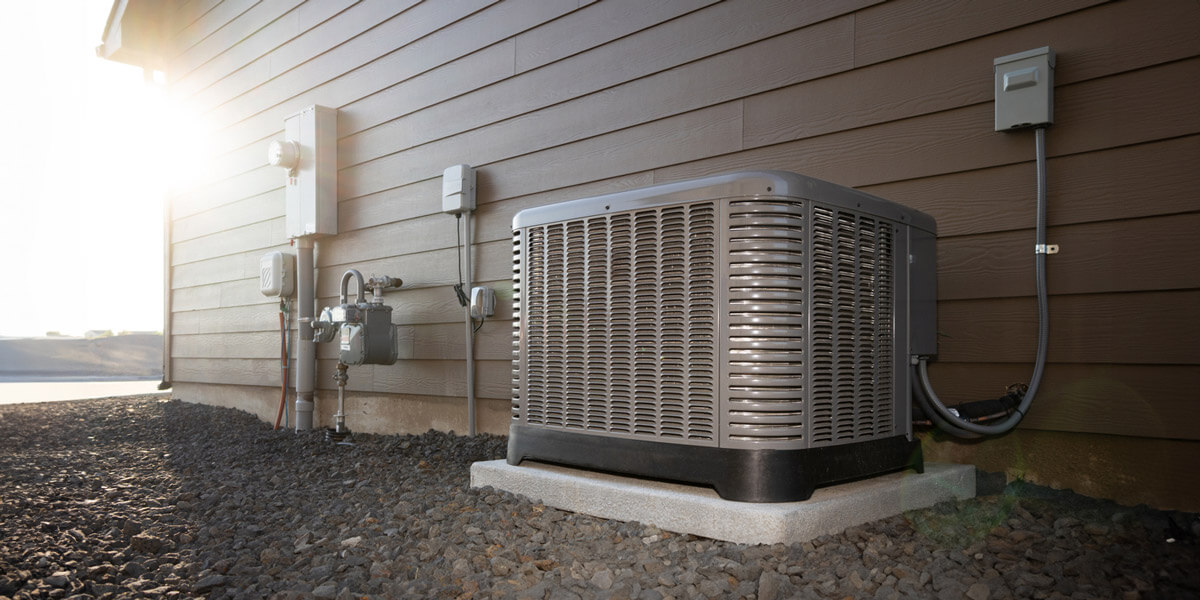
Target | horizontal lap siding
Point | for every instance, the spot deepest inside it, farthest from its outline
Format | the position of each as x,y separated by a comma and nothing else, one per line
554,101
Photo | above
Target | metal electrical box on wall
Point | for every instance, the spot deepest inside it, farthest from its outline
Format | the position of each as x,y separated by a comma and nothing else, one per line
1024,89
311,190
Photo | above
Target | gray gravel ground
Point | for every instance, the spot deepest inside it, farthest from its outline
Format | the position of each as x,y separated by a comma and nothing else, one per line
149,498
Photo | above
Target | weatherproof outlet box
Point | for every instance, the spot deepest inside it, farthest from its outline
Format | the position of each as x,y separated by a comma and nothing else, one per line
1024,89
311,189
458,189
277,274
483,302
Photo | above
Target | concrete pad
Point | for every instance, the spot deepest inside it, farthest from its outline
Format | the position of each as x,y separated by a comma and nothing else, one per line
699,511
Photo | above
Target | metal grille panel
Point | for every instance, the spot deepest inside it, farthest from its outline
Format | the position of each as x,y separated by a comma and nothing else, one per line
851,391
619,324
766,314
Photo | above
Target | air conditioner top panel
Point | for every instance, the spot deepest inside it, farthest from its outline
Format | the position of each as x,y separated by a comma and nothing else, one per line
741,184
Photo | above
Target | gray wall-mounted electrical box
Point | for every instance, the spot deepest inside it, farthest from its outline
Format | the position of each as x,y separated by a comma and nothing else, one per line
1024,89
309,152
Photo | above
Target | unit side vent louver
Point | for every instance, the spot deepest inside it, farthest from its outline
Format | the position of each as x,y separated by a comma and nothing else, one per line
852,290
621,324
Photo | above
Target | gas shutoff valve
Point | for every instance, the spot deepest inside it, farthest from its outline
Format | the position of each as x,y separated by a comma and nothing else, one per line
364,328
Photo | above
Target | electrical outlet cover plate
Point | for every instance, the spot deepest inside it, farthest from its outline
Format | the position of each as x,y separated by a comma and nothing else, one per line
483,302
1024,89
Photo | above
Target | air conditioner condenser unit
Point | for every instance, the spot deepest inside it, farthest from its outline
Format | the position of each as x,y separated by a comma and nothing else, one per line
749,331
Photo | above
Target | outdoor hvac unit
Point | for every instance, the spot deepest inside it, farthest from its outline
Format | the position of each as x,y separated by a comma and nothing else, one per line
750,332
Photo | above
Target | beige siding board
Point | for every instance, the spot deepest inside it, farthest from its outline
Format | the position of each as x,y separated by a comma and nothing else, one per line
251,183
396,239
424,269
957,140
454,78
354,90
703,33
203,43
233,371
951,77
1151,103
679,139
195,298
721,78
240,292
231,267
260,236
263,207
239,319
412,307
251,156
593,26
360,47
713,130
904,27
188,12
1153,106
339,82
288,21
259,344
438,305
1115,256
1136,400
1155,178
1135,328
494,219
445,341
424,377
308,57
410,201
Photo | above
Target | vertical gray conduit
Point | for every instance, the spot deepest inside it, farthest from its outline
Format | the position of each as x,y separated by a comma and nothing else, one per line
470,325
306,354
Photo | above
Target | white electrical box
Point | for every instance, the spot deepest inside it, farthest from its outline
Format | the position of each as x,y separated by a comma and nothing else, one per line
1024,89
277,274
309,153
483,302
458,189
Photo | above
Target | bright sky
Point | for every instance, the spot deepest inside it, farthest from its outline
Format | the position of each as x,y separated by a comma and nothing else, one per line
80,202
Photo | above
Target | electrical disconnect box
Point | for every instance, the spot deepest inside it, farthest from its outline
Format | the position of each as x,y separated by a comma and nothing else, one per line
277,274
1024,89
458,189
309,153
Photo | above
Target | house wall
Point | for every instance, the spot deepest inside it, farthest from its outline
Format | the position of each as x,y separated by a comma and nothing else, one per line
555,100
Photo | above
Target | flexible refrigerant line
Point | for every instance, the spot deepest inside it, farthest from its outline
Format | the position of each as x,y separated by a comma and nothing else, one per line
928,399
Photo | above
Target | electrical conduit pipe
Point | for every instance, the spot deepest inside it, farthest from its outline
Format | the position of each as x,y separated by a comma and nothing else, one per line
470,327
306,351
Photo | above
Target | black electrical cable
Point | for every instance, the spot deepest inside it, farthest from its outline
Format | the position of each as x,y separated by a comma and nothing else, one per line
458,287
928,399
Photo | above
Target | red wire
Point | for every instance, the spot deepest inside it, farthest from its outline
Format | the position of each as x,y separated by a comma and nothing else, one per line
282,357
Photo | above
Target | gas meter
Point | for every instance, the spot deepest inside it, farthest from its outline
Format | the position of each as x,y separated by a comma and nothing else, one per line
363,328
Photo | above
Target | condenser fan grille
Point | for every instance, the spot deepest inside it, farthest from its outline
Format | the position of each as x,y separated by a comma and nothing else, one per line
619,324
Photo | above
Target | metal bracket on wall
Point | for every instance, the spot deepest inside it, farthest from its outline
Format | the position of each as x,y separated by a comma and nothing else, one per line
1045,249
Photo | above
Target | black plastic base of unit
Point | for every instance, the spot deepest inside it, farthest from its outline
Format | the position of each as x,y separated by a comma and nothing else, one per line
736,474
